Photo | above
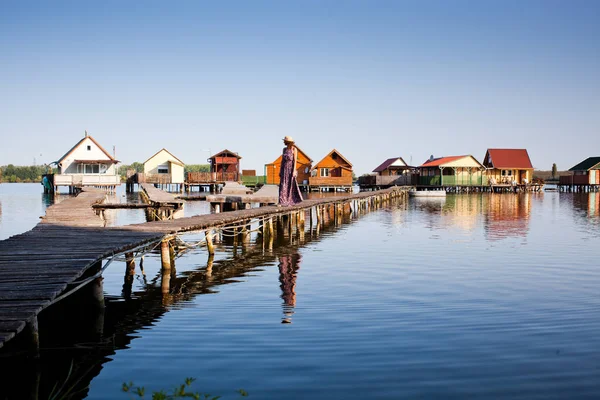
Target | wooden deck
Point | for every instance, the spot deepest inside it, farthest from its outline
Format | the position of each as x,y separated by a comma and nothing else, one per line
159,198
38,265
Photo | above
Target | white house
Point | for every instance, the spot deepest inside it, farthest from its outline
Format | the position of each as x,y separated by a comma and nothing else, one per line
164,167
87,164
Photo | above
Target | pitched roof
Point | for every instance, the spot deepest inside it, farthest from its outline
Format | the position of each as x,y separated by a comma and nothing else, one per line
226,151
178,160
336,152
111,158
507,158
436,162
300,150
387,163
587,164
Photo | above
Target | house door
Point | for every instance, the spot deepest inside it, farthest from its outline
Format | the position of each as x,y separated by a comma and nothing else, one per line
594,176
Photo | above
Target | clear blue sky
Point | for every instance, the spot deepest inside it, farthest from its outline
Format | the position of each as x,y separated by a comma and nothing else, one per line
374,79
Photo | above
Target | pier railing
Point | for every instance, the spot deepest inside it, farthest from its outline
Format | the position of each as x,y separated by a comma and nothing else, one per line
208,177
86,180
330,181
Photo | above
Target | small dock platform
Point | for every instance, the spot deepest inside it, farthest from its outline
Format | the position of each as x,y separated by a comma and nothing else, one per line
266,195
162,205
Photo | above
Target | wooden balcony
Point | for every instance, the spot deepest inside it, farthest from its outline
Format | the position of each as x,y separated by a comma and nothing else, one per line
574,180
211,177
162,179
330,181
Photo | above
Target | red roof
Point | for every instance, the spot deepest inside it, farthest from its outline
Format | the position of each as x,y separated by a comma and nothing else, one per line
507,158
436,162
387,163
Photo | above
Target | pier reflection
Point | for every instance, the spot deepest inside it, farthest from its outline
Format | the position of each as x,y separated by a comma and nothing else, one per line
75,339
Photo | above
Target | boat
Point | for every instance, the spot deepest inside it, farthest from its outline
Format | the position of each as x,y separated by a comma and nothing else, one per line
427,193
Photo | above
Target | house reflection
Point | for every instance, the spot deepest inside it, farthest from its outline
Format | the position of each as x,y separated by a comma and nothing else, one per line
507,215
589,203
289,264
462,211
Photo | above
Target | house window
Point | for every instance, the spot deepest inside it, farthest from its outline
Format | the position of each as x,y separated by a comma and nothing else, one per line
324,172
163,169
89,148
91,169
507,172
313,172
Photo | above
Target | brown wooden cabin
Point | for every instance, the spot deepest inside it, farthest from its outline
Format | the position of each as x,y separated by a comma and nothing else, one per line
586,173
303,166
333,172
508,166
393,171
225,166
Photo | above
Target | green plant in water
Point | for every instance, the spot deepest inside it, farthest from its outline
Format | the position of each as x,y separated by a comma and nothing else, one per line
180,392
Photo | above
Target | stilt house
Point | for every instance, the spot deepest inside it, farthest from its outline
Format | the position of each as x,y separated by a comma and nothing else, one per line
333,172
452,171
508,166
303,166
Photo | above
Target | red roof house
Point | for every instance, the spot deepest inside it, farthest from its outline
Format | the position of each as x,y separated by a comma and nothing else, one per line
508,165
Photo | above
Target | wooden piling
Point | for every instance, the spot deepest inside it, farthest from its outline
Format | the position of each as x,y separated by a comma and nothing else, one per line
209,242
98,292
165,255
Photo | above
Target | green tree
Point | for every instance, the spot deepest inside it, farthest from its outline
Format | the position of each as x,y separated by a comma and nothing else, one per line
553,170
197,168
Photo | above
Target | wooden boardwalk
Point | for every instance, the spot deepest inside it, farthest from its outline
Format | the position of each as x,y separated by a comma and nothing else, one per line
38,265
159,198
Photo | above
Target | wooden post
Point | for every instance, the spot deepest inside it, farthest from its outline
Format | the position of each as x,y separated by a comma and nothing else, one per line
270,227
34,336
98,292
165,255
209,242
129,264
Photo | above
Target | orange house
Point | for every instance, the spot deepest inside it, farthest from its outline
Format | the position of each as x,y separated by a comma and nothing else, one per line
333,171
303,166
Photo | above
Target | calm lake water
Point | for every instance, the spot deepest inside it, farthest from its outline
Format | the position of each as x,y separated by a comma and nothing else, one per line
472,296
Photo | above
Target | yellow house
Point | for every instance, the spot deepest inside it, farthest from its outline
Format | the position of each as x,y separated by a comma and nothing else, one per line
164,168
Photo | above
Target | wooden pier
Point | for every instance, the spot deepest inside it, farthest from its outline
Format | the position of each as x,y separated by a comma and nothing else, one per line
163,205
66,250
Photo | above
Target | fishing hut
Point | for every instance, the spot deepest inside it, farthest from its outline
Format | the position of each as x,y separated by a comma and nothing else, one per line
303,168
392,172
452,173
224,167
332,173
86,164
163,170
585,177
509,170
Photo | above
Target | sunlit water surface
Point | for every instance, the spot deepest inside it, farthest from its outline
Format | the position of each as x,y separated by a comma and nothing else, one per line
472,296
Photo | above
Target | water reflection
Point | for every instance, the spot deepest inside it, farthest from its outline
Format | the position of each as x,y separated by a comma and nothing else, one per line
588,203
86,340
289,264
507,215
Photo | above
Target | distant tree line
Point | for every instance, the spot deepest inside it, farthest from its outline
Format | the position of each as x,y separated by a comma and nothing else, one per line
31,173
